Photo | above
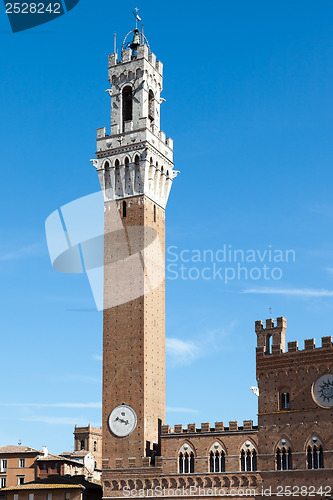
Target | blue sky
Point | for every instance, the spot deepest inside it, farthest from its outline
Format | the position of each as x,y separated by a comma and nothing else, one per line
249,106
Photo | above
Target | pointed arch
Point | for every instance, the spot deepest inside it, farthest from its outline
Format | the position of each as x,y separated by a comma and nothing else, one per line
186,459
248,456
314,453
217,454
283,455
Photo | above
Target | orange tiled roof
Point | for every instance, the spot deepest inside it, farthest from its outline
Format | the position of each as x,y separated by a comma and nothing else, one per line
39,486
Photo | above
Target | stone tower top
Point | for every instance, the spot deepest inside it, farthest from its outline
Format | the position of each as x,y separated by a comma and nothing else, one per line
136,158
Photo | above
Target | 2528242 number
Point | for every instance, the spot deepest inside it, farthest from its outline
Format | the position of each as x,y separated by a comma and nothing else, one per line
33,8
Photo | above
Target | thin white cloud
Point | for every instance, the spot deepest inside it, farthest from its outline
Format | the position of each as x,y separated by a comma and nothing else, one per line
57,420
80,378
172,409
184,352
97,357
298,292
22,253
181,351
53,405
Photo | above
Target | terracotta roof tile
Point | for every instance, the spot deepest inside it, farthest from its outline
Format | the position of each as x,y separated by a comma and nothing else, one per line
18,449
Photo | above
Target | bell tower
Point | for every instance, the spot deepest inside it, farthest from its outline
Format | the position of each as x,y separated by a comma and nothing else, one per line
135,169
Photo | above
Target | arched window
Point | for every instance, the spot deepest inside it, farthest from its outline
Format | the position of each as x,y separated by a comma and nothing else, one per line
127,103
217,461
95,445
283,458
315,454
248,457
124,209
151,99
186,460
216,458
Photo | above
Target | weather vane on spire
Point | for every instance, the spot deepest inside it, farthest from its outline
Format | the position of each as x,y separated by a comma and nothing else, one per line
137,17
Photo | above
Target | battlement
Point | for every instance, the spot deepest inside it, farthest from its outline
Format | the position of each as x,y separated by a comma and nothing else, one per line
277,333
309,345
272,338
142,53
205,427
88,428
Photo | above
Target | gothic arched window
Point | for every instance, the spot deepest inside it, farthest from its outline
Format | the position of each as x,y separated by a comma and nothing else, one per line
186,460
217,461
315,456
248,457
127,103
283,458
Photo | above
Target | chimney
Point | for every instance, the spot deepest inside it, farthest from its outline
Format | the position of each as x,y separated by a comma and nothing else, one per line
45,451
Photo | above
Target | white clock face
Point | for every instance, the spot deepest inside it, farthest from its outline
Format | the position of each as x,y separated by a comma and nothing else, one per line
122,420
322,391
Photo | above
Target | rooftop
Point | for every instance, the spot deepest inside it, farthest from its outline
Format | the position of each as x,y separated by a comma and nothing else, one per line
17,449
39,486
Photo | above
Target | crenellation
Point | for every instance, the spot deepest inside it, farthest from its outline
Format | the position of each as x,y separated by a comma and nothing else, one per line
247,425
233,425
206,428
293,346
309,344
126,55
259,325
327,342
219,426
159,67
269,323
178,428
113,59
152,59
142,52
101,132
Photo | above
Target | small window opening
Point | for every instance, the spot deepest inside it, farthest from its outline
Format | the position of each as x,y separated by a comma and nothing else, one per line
151,99
154,213
124,208
127,104
284,401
